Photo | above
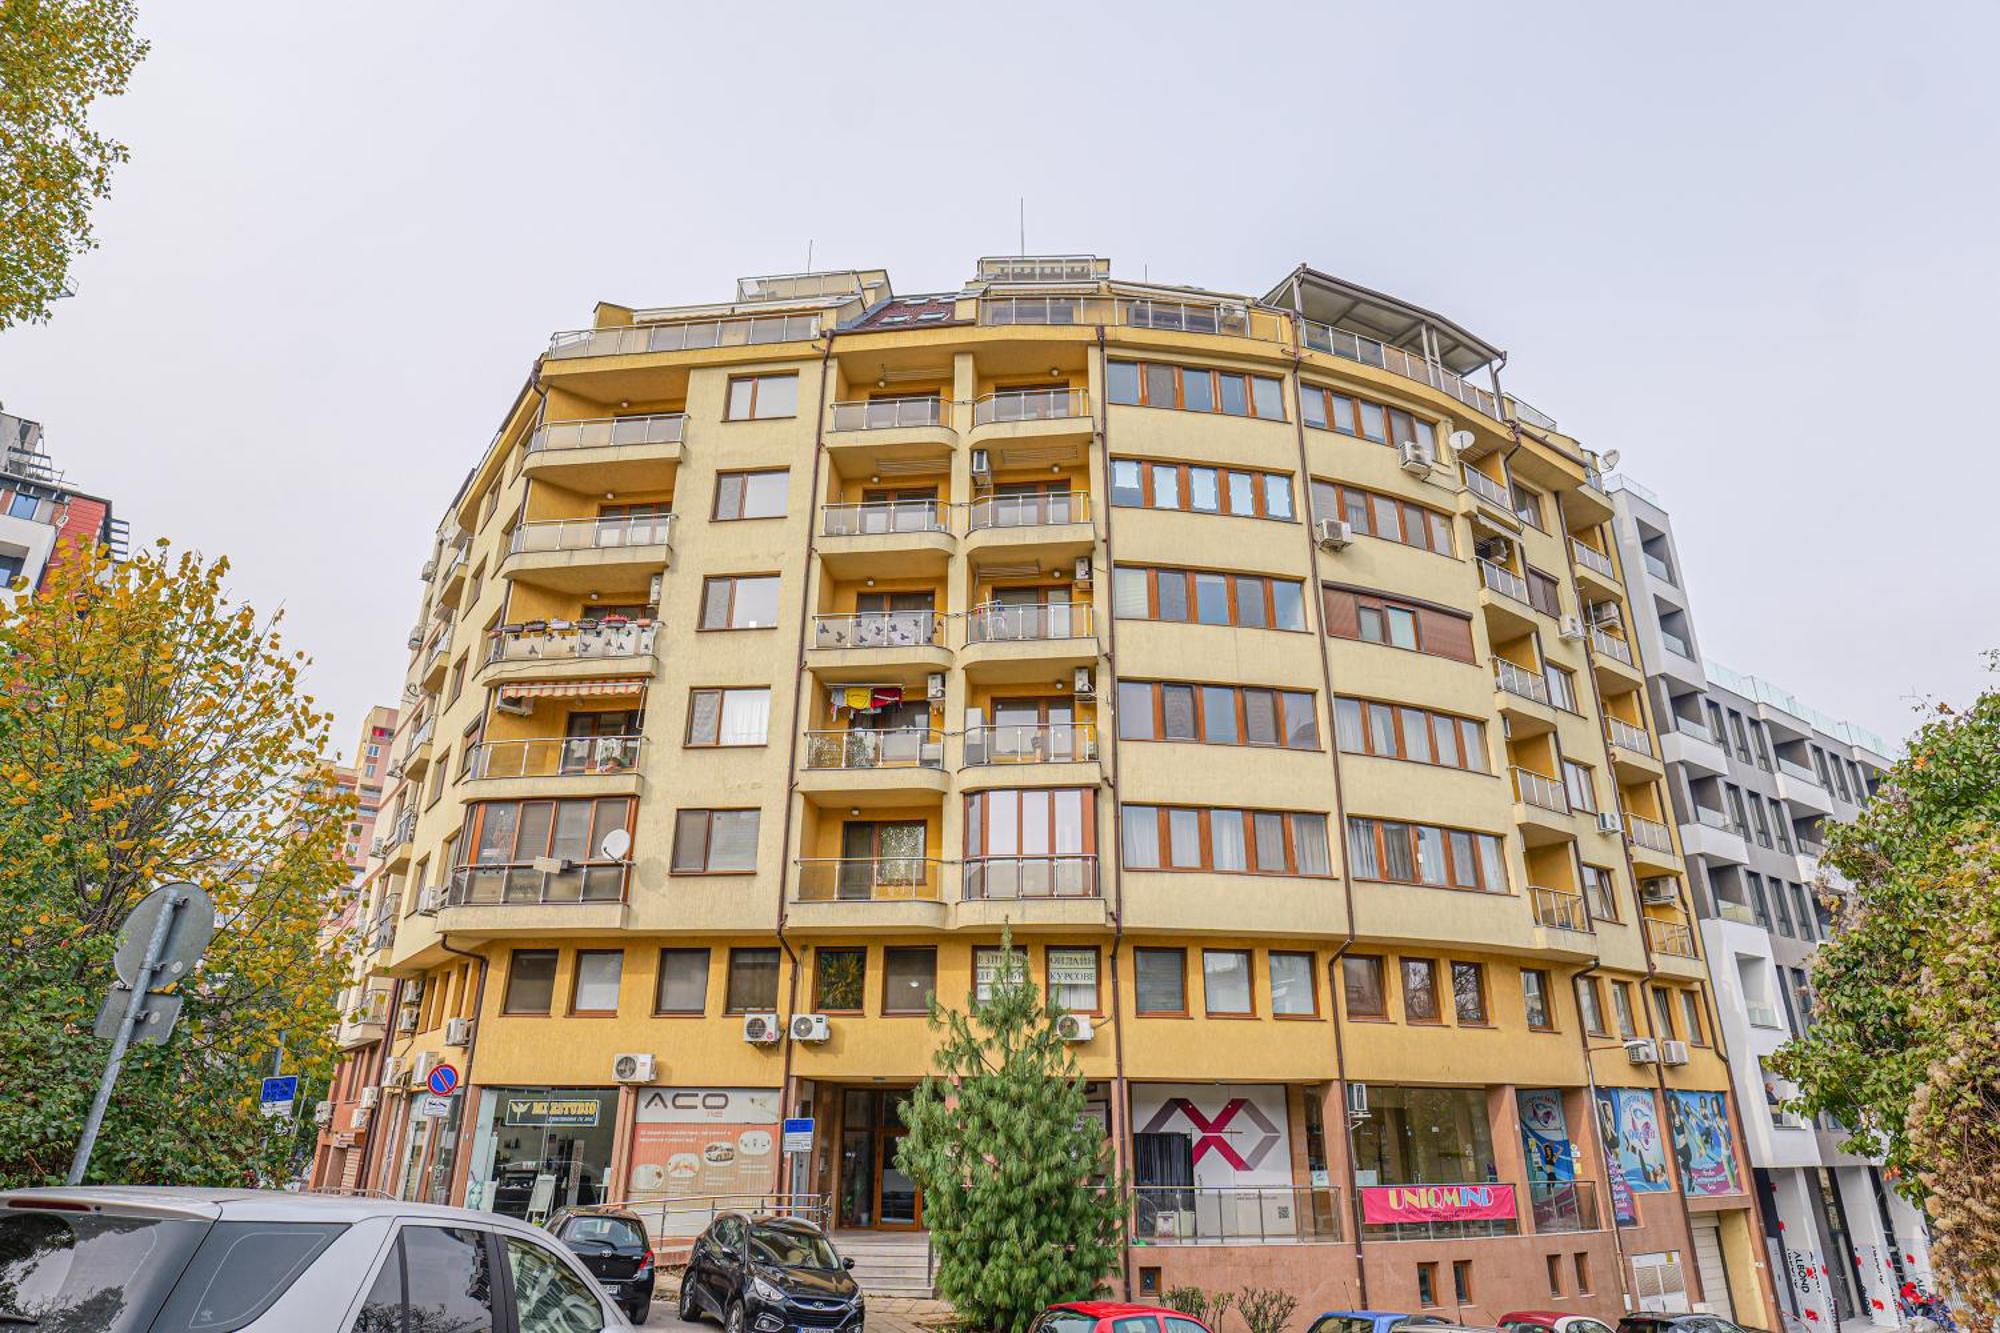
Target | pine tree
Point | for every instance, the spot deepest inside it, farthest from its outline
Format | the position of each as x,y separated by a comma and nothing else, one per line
1019,1190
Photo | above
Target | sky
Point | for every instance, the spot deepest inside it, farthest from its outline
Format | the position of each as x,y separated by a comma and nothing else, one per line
1751,247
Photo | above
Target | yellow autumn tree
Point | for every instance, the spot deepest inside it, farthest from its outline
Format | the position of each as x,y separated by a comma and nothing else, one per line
153,730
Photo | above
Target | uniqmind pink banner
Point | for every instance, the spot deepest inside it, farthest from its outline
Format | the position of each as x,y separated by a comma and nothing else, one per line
1388,1205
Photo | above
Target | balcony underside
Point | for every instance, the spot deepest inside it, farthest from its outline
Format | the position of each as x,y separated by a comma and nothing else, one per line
1525,717
619,467
1047,438
1650,859
901,451
1633,766
885,555
1081,773
873,788
614,572
1025,661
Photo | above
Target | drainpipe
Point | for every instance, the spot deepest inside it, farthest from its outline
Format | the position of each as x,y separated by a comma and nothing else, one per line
462,1162
371,1154
1337,834
1590,1080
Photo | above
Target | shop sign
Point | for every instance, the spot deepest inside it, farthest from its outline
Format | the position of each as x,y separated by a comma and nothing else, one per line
708,1106
1389,1205
553,1110
1072,967
1703,1143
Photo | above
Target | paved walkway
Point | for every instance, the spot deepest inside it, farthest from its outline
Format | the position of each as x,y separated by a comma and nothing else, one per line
886,1314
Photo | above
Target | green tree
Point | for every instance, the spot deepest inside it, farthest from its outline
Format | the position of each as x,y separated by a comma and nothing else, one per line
1906,994
151,731
56,58
1019,1190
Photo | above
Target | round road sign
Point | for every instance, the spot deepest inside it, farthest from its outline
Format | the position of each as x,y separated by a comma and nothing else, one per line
444,1080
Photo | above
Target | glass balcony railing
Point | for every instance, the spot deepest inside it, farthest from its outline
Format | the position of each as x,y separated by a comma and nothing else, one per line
1763,1016
1670,937
585,534
1798,772
609,432
1675,644
1741,913
1486,488
1658,567
1544,793
1231,318
1628,737
1028,511
1234,1215
1369,352
556,756
861,879
1564,1206
1688,726
1043,310
993,878
1008,405
878,629
682,337
1013,622
890,413
861,748
1713,818
1649,833
879,518
1612,647
1518,680
522,883
1559,909
1589,557
564,640
1044,743
1503,581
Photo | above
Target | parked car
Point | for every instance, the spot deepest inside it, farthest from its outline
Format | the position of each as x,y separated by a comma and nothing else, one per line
115,1259
1114,1317
761,1274
1551,1321
613,1245
1371,1321
1657,1321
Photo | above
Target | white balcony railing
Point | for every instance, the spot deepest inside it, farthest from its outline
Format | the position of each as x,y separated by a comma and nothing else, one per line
1013,622
1518,680
585,534
1591,558
875,518
1006,405
682,337
890,413
1031,743
1047,509
1615,649
1503,581
556,756
1544,793
1486,488
609,432
878,629
1628,737
1648,833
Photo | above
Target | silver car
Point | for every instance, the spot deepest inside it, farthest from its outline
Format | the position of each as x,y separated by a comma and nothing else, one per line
136,1260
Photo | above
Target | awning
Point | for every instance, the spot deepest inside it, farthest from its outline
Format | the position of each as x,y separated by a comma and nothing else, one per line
571,689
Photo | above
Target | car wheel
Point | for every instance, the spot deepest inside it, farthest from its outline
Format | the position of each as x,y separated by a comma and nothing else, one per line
733,1322
690,1308
639,1314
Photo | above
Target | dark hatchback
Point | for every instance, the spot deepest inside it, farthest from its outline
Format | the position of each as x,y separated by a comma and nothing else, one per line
768,1275
612,1244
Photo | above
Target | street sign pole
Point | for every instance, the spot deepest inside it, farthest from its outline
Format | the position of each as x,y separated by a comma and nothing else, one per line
155,945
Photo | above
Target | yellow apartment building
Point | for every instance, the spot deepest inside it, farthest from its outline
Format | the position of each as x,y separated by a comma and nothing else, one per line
1258,661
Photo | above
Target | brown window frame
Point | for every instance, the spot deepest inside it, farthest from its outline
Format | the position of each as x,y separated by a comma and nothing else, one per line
1163,813
1451,856
1663,1013
819,1001
921,1011
1436,522
1422,614
1602,1027
1376,961
1154,573
1547,984
729,1005
721,692
1459,723
1610,894
1260,486
1691,1011
1404,965
514,957
1397,424
730,615
1312,980
1156,703
1215,376
1485,1019
660,975
1623,1013
1181,956
1547,590
708,839
576,980
1097,970
1249,957
756,383
715,513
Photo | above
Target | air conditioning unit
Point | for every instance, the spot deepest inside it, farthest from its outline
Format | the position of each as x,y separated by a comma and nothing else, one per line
1416,459
1641,1051
369,1098
516,707
762,1029
406,1020
1084,572
1075,1027
1333,534
360,1118
982,466
810,1027
322,1113
653,589
1085,683
1660,892
416,639
413,990
934,687
1673,1052
1570,627
430,898
634,1067
392,1072
1606,613
420,1072
1608,822
430,568
396,772
1495,549
458,1032
1357,1101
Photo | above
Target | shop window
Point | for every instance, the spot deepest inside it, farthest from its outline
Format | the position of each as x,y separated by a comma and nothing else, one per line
991,966
683,984
909,980
1424,1136
753,981
531,982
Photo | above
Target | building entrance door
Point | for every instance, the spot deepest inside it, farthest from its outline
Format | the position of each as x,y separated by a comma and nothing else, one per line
873,1194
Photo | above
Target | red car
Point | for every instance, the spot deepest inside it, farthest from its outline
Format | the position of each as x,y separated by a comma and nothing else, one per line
1114,1317
1551,1321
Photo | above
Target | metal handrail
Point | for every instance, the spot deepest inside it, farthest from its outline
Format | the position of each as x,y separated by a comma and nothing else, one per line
1229,318
1017,622
1559,908
1234,1215
1028,511
1042,310
1615,649
555,756
862,748
1518,680
1648,833
1006,878
874,518
1670,937
1373,352
890,413
1051,404
582,534
609,432
532,884
1628,737
1486,488
1591,558
564,641
825,879
683,336
1504,581
1031,743
877,629
1539,790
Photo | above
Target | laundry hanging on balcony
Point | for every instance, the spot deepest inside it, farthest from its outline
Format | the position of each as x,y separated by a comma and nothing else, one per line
865,698
571,689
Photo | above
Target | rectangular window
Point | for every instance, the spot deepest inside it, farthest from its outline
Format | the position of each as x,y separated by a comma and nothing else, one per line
1160,979
1427,1282
1468,993
1579,787
1582,1273
1373,514
740,602
683,984
753,981
909,980
1155,484
1562,685
598,973
1327,410
1600,891
1415,734
1436,631
715,841
1621,1005
729,717
1242,600
1461,1280
752,494
1803,911
1402,853
1361,983
1225,981
1535,996
1294,989
1555,1275
1589,998
986,970
1691,1010
1191,389
1663,1006
1216,715
761,397
840,980
1263,842
1420,991
1071,979
531,982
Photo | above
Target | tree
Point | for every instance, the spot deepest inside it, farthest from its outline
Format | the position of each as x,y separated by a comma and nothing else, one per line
152,731
1019,1190
56,58
1906,993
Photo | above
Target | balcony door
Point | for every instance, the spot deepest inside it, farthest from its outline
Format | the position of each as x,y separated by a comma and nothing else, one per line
910,509
1031,844
877,855
599,742
1015,614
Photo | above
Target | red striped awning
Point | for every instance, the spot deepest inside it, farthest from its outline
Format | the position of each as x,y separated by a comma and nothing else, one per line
571,689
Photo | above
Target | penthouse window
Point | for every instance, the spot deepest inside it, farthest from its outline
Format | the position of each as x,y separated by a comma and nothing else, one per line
1255,842
1384,516
1208,597
1216,714
1193,389
1139,483
1355,613
1364,419
1402,853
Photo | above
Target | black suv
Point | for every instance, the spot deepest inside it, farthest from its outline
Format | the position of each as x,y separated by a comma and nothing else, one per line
769,1274
612,1244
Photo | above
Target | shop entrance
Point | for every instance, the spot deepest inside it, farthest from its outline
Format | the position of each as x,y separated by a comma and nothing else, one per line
542,1149
871,1192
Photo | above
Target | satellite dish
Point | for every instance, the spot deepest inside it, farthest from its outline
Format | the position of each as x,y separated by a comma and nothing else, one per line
1608,459
616,843
1461,440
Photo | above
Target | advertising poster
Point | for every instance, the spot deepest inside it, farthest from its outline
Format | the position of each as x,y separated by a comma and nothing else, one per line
1545,1135
1388,1205
696,1143
1634,1146
1703,1143
1237,1134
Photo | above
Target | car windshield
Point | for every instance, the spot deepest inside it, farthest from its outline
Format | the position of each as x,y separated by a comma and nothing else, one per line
89,1272
614,1231
791,1249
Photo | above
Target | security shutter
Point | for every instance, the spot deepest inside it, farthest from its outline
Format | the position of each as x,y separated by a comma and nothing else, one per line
1708,1261
1658,1283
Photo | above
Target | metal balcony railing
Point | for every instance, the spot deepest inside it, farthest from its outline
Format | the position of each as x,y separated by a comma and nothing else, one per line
583,534
1670,937
878,629
684,336
1559,909
1013,622
1234,1215
609,432
1039,743
438,648
874,518
1028,511
1369,352
1628,737
877,879
1504,581
563,640
1011,877
1518,680
891,413
1545,793
1486,488
1591,558
556,756
1008,405
1648,833
861,748
1614,648
420,736
380,936
522,883
1563,1206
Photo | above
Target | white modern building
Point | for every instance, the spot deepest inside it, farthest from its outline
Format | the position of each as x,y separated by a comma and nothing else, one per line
42,516
1755,774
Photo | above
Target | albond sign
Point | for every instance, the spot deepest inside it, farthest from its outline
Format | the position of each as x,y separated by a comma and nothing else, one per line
1387,1205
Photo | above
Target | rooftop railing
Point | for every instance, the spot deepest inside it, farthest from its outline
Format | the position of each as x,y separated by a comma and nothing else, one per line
1628,737
1028,510
585,534
1014,622
683,337
878,629
868,879
890,413
1370,352
1235,1215
1031,743
1591,558
1559,909
1545,793
609,432
991,878
563,640
1053,404
556,756
1648,833
531,883
863,748
1486,488
1518,680
1504,581
878,518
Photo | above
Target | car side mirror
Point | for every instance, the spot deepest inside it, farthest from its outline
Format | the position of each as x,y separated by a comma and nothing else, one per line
848,1263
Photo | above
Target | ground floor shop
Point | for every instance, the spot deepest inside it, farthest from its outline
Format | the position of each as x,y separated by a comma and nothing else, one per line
1842,1243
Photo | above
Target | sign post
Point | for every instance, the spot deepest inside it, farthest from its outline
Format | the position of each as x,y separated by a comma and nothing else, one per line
279,1095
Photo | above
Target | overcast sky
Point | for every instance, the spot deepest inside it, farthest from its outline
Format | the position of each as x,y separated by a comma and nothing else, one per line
1751,247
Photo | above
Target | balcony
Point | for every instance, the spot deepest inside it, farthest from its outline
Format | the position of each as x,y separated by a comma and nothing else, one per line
1235,1215
1504,595
379,935
1369,352
1015,878
1628,737
1611,646
1800,786
1012,641
1691,743
1543,793
583,555
1541,809
873,768
401,834
368,1020
1677,645
1714,835
870,641
885,539
1559,909
416,755
1468,1228
1652,842
1043,743
1051,530
588,765
1487,489
640,339
1672,938
1043,311
1008,407
550,896
580,651
1632,754
1522,697
910,413
1558,1207
1658,569
607,453
431,673
1741,913
896,879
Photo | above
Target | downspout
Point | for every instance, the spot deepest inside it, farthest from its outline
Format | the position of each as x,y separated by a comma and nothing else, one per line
1590,1080
462,1163
1337,834
372,1153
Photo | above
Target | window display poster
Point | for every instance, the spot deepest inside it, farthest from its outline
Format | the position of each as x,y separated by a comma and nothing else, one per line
1703,1143
698,1143
1545,1135
1634,1147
